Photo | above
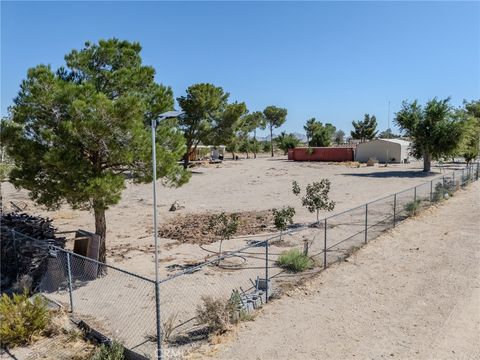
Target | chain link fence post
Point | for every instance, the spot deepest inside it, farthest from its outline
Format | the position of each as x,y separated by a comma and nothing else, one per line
414,200
366,222
69,271
394,210
325,244
159,326
266,271
443,186
431,190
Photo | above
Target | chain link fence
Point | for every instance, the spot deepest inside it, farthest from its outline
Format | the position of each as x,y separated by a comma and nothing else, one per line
122,305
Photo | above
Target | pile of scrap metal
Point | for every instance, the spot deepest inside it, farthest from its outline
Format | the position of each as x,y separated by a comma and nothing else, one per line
25,243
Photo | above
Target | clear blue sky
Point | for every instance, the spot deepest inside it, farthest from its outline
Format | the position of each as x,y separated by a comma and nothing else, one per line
331,60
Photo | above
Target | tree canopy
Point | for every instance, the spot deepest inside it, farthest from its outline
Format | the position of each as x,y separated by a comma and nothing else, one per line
316,196
319,135
366,129
203,105
470,146
75,133
388,134
274,118
339,137
286,141
434,129
252,122
230,127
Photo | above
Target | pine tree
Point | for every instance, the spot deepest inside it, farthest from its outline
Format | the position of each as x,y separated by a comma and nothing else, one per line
366,129
75,134
274,117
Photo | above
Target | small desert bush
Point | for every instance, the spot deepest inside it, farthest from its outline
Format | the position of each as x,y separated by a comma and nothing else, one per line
412,207
5,170
169,326
244,315
22,319
443,190
218,314
294,260
114,351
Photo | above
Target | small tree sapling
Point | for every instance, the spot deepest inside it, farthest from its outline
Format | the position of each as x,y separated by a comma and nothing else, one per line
282,218
224,226
316,196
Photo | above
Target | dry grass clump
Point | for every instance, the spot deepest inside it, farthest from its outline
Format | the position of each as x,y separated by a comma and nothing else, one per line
113,351
412,207
218,314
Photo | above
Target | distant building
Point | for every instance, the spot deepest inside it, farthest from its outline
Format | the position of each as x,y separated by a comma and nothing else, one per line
210,152
384,150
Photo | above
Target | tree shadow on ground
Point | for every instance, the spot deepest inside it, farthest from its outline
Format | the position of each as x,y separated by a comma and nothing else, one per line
278,159
395,174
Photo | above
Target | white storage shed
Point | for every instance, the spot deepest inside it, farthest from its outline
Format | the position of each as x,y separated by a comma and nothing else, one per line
384,150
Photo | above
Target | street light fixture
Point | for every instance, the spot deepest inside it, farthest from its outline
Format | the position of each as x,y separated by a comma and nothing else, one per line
165,115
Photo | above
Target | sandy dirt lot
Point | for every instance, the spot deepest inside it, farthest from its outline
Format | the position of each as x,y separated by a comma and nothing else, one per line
108,300
412,293
246,185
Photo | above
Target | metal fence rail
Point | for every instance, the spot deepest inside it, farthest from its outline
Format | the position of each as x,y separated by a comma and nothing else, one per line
122,304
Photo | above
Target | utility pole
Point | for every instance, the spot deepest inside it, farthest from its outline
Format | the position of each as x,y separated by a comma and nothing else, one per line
388,114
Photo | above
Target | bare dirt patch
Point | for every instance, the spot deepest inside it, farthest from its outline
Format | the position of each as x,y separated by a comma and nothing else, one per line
196,229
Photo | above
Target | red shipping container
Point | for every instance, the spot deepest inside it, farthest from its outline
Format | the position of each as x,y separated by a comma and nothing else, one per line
336,154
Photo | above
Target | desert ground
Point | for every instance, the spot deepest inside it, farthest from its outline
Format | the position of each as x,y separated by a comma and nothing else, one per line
412,293
124,307
234,186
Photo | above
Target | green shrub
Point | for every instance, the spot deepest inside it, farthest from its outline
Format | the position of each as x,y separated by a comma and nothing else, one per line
114,351
294,260
412,207
283,217
21,319
5,171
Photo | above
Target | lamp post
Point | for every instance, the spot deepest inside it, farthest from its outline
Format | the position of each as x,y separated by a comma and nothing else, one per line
166,115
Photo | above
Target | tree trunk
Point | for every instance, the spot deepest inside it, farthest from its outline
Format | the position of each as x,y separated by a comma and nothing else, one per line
186,160
427,160
101,230
271,139
255,142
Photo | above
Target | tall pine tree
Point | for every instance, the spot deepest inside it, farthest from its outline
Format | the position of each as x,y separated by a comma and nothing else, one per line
366,129
76,133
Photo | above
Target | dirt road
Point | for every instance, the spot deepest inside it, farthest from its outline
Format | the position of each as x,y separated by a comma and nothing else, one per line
413,293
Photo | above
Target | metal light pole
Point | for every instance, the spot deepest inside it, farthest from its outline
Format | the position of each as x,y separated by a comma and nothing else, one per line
167,115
